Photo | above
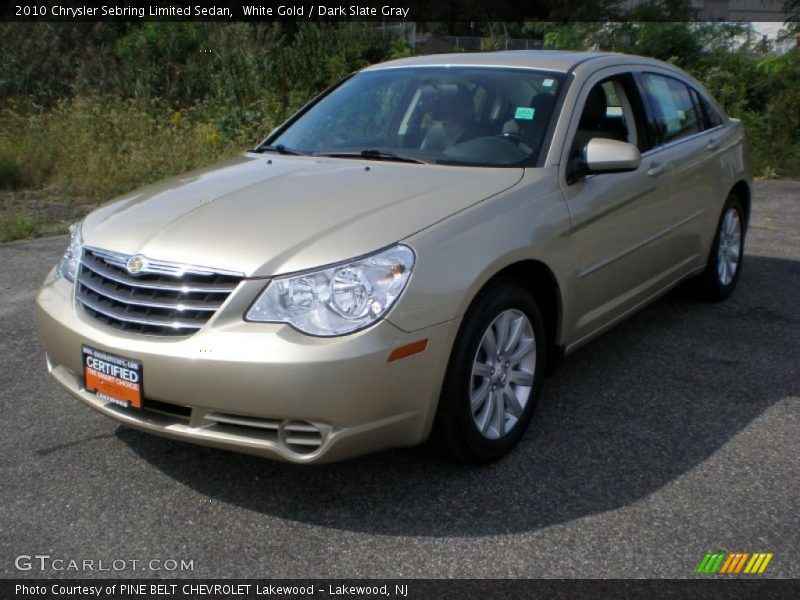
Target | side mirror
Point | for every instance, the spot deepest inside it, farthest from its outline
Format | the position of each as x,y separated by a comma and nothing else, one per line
610,156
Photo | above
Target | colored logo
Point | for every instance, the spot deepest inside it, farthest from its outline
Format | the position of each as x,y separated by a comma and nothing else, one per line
734,563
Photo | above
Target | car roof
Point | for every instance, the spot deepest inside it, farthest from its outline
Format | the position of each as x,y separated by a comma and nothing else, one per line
559,61
549,60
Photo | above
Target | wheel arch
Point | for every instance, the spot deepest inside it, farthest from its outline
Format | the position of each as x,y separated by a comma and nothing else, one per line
741,189
541,282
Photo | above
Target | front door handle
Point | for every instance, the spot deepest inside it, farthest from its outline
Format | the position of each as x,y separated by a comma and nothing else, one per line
655,170
712,145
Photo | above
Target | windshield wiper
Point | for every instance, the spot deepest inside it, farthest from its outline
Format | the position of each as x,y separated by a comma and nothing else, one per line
375,154
281,149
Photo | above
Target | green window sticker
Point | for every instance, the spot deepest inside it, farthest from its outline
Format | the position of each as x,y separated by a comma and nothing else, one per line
548,83
524,113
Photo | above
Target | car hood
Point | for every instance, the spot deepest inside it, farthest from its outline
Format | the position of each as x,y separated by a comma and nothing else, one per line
264,215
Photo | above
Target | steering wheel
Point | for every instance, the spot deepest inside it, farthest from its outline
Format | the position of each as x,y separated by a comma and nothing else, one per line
520,140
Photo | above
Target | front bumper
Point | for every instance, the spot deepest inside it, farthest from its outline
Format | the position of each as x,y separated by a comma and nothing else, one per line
259,388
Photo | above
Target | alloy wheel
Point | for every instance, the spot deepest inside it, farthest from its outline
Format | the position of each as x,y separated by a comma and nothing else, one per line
729,247
503,374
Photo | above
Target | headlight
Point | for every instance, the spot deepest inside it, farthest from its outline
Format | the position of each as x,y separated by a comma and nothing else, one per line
68,265
339,299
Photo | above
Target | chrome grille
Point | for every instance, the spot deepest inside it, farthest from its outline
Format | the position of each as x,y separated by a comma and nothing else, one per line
162,298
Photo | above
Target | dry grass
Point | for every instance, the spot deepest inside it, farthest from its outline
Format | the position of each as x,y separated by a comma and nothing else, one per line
56,165
33,213
97,148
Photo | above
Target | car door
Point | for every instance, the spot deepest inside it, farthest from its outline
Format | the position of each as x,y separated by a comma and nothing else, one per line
618,249
676,115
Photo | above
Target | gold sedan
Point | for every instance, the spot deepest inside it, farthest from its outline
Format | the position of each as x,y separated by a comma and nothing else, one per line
406,257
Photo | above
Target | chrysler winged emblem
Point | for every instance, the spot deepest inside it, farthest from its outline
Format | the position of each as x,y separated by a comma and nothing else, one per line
134,264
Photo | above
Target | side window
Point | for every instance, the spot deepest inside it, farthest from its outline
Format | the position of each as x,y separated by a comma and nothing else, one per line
711,114
612,110
676,114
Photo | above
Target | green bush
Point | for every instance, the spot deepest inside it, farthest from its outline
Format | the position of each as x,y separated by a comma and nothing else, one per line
12,173
762,91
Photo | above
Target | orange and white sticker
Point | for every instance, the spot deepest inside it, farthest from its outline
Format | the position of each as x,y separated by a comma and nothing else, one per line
113,378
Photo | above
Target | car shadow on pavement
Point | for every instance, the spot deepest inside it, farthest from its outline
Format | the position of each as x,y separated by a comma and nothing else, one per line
625,416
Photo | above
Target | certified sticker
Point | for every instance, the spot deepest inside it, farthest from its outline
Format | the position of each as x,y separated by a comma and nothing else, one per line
112,378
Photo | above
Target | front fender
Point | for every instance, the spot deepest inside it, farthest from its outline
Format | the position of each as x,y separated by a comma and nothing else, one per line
459,255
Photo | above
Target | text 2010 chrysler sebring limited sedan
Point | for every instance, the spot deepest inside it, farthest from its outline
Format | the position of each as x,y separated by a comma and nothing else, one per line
405,257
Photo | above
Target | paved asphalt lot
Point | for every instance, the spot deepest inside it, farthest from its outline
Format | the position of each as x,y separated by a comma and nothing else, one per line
675,434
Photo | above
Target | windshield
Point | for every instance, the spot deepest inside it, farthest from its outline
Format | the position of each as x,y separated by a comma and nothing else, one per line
451,115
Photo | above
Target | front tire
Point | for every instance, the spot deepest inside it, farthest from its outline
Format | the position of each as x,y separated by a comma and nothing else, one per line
724,265
494,376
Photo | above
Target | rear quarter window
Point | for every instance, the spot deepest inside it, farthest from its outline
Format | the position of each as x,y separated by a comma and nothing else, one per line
676,115
710,114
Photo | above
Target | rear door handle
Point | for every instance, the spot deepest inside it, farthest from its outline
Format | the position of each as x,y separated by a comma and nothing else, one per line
712,145
655,170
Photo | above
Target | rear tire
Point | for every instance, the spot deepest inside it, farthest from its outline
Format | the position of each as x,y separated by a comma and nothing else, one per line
494,376
724,265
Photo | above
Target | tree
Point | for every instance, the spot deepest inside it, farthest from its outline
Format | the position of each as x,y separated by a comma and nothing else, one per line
792,9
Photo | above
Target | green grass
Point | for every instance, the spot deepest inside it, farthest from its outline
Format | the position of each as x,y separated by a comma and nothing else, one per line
18,225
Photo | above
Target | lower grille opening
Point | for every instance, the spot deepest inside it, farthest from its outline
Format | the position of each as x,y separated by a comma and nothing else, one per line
173,410
161,413
242,421
300,437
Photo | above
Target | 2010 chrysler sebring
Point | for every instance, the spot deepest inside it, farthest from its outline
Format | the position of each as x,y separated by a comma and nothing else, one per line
405,257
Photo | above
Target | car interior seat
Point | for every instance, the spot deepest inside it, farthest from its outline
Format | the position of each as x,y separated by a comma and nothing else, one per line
595,122
453,114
